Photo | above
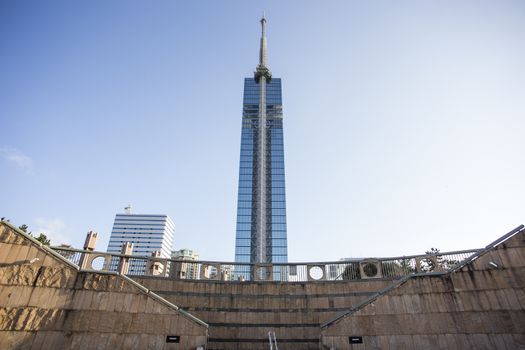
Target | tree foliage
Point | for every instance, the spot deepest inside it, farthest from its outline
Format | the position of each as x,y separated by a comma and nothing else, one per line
42,237
351,272
436,262
396,268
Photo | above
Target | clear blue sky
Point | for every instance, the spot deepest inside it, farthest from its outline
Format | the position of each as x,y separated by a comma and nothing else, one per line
404,120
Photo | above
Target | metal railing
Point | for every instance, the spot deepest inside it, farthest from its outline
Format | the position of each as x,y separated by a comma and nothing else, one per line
400,281
273,340
351,269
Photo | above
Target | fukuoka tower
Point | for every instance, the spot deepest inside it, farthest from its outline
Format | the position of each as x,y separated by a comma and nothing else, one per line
261,207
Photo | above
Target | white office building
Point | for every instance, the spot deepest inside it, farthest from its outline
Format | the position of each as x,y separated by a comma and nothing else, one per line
147,232
186,270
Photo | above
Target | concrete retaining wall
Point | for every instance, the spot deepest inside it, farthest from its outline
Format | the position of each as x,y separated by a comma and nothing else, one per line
47,303
240,314
481,306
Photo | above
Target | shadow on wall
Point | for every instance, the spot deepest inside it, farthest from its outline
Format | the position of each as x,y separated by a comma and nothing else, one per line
46,302
481,305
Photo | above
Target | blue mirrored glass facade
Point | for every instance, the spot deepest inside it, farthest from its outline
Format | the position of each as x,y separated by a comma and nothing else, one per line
247,208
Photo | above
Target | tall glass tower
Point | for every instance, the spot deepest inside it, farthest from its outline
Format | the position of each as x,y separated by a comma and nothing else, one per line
261,207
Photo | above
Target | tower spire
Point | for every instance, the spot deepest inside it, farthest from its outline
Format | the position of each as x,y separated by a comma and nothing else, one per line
261,250
262,50
262,69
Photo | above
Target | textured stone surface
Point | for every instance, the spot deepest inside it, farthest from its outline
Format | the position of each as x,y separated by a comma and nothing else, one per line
20,275
477,307
240,314
46,303
56,277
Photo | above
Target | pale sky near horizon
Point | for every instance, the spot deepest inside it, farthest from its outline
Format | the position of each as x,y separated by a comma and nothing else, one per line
403,120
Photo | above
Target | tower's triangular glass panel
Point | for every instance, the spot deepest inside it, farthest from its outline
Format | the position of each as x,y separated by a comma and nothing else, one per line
261,207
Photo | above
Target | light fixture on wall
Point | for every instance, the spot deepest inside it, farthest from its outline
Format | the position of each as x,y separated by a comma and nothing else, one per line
493,264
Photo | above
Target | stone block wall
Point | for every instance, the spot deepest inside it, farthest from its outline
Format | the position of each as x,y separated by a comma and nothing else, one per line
240,314
481,306
47,303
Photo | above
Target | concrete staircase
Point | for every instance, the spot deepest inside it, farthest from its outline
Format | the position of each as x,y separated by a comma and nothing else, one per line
240,314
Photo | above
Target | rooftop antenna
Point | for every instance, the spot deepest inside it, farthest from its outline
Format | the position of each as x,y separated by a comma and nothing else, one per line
262,51
128,209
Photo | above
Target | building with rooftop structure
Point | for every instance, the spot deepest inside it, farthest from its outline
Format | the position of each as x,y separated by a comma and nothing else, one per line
261,235
147,232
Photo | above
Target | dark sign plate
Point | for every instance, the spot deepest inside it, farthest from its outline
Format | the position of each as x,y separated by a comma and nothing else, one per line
172,339
356,340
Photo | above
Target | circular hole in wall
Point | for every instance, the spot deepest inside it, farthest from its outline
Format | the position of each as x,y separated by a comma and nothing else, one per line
316,272
370,270
98,263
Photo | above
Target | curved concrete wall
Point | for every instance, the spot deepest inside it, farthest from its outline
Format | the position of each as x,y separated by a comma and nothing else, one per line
47,303
240,314
481,306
